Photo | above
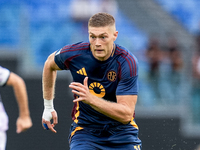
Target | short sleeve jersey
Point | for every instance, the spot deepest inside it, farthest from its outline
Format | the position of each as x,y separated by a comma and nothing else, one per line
4,75
118,75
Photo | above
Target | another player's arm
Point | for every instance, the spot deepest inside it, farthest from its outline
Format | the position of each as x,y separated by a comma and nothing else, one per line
24,121
121,111
48,84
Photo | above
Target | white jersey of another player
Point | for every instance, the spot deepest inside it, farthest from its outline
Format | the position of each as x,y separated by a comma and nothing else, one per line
4,75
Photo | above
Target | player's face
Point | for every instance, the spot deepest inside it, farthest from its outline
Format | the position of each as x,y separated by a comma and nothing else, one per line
101,41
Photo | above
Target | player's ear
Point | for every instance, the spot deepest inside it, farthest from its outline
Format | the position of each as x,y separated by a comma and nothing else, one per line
115,35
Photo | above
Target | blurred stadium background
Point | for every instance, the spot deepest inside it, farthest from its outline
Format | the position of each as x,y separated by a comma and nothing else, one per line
162,34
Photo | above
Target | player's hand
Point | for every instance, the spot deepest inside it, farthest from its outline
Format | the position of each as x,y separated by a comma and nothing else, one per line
23,123
46,119
82,91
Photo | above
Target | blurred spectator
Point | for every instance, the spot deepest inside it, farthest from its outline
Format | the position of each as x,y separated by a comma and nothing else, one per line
175,55
198,147
109,6
154,57
196,83
81,10
176,64
198,40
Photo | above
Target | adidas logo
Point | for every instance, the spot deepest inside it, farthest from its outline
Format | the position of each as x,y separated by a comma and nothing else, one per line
82,71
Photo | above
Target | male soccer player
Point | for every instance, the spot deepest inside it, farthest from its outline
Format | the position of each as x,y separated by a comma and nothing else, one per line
105,86
24,121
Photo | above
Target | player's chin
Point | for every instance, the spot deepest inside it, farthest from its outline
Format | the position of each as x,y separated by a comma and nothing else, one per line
100,55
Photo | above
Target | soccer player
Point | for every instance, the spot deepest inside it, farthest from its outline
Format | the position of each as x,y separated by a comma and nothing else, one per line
105,88
24,121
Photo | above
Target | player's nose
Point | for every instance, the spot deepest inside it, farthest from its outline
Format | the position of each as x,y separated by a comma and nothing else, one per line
97,42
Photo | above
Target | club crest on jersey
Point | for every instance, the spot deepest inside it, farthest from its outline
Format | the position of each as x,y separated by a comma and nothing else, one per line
97,89
112,75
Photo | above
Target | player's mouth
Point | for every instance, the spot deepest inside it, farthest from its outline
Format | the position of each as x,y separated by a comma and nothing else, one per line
98,50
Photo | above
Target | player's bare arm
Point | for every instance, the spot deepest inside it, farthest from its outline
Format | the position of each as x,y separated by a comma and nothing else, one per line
48,83
49,77
24,121
121,111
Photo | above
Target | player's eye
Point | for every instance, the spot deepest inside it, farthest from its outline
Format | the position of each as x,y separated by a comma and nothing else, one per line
103,37
93,37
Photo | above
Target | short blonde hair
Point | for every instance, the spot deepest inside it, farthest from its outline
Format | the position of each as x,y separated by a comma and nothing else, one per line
101,20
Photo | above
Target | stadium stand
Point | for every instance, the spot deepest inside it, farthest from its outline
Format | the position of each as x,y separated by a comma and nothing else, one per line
186,12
